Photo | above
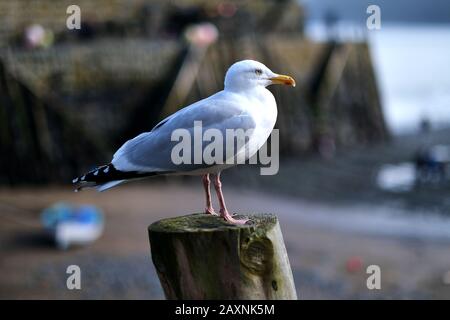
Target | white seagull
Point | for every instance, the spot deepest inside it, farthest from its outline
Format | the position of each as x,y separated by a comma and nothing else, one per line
244,103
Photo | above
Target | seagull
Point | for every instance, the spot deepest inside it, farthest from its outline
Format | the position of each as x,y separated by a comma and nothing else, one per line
244,103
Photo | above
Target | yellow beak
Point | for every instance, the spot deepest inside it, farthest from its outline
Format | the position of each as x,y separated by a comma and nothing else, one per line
282,79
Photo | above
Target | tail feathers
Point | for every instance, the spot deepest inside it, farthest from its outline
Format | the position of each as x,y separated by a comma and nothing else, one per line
106,177
109,185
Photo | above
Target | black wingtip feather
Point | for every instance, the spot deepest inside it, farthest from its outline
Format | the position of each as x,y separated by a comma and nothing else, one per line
106,173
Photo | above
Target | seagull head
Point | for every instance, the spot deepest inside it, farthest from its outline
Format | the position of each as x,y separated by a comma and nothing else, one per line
247,74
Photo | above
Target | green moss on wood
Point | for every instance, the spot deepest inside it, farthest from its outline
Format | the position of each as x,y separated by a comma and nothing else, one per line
201,256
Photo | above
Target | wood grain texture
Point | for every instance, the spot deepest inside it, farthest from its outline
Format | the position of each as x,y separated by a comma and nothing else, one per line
201,256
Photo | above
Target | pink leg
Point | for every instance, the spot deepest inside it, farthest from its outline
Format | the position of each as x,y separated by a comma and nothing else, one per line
206,183
223,209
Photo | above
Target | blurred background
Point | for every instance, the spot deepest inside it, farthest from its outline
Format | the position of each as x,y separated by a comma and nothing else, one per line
364,139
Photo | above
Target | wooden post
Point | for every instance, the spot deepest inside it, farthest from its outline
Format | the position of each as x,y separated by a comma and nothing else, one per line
201,256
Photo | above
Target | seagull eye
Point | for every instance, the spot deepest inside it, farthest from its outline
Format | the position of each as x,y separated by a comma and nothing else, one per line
258,72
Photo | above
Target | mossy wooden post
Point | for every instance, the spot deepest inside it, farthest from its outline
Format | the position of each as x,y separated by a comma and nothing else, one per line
201,256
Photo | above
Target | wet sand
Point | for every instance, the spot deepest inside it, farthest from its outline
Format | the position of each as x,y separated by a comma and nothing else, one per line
320,239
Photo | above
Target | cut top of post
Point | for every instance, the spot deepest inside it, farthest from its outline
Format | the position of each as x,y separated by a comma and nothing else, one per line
201,222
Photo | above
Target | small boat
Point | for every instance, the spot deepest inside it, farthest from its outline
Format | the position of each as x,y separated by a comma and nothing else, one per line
73,226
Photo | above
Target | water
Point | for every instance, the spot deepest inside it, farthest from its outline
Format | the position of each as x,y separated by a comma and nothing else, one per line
413,70
397,177
412,67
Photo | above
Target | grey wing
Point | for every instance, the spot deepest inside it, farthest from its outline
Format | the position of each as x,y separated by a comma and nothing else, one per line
152,151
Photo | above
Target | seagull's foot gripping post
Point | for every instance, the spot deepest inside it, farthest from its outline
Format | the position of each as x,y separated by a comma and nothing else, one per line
223,209
210,211
224,214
